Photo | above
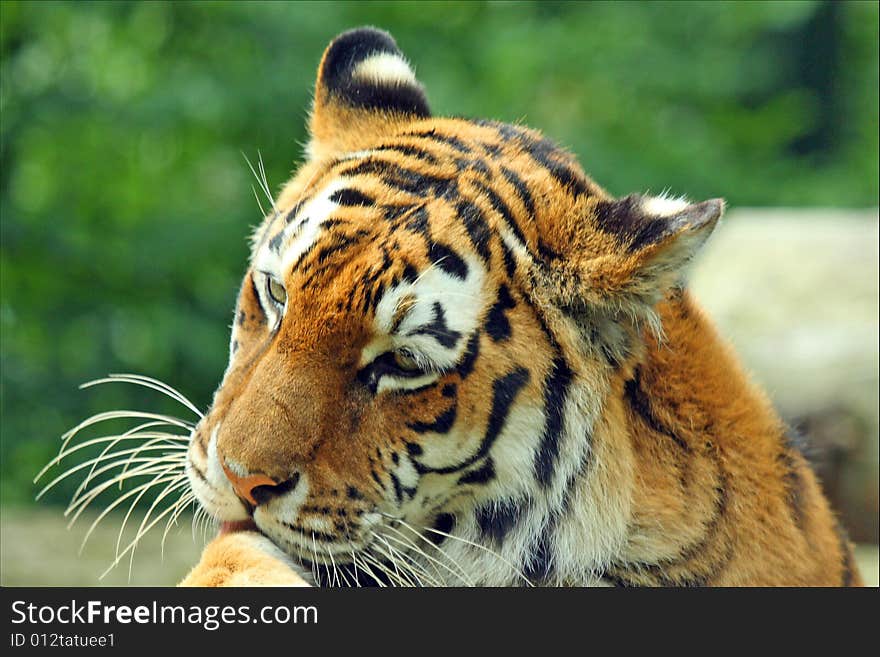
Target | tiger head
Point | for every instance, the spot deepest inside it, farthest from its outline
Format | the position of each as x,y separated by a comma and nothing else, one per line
427,330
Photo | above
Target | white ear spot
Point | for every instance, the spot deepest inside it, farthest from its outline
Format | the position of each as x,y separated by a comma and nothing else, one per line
385,68
664,206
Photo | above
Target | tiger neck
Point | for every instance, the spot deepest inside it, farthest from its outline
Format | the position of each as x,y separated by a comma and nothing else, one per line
683,405
637,481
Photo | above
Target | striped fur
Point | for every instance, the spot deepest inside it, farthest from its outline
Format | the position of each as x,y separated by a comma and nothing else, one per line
564,414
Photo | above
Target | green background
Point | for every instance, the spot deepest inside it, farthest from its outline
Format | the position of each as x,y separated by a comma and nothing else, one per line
126,201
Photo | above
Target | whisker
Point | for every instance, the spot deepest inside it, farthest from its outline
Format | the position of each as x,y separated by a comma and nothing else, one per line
264,181
128,435
156,441
414,568
169,488
134,541
123,414
458,574
264,187
150,467
139,491
393,578
146,382
335,570
315,569
186,500
405,577
501,558
86,464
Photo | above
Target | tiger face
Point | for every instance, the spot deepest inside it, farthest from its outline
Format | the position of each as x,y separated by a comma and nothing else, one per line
426,334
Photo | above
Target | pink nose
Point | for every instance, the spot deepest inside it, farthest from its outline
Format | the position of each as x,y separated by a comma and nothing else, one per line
244,486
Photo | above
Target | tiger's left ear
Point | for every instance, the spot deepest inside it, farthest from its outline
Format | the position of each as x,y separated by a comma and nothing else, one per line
365,88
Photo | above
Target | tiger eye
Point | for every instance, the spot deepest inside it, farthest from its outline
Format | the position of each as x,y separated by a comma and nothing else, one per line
405,361
276,291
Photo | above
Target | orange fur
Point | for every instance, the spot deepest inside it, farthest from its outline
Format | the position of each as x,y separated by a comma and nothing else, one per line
690,453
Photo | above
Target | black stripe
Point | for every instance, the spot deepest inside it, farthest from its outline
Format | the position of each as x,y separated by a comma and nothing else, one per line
291,215
310,533
417,221
445,522
448,260
482,475
504,392
442,424
555,394
469,358
256,294
639,402
496,519
409,151
702,574
625,220
509,260
539,563
477,227
351,197
795,486
433,135
340,243
493,150
398,490
502,209
438,328
407,180
377,479
275,242
548,155
497,324
847,566
522,190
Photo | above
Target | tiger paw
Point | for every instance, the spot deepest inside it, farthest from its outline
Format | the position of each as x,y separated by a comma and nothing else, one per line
243,558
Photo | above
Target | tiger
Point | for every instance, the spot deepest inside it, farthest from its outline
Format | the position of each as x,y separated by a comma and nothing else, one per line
456,360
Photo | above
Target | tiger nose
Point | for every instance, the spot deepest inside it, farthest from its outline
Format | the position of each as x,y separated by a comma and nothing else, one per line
258,488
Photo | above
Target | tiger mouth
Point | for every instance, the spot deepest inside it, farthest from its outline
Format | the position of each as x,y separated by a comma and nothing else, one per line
230,527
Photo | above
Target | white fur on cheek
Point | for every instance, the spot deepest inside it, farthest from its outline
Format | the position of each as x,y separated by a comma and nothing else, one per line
460,302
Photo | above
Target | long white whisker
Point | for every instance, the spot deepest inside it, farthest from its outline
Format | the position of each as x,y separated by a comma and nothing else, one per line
515,570
416,568
153,439
458,574
396,563
134,541
393,579
122,457
264,181
169,488
186,500
147,467
146,382
124,414
86,464
139,491
128,435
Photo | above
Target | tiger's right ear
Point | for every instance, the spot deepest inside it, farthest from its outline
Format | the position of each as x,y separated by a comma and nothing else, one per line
365,88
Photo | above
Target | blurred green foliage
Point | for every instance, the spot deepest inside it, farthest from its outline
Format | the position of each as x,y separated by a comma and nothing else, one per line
126,201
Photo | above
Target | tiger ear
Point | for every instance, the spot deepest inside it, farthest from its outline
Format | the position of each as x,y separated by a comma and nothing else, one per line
364,88
638,248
